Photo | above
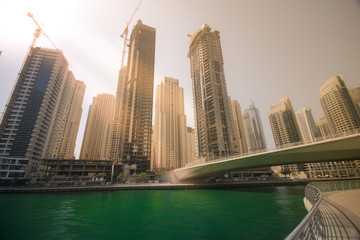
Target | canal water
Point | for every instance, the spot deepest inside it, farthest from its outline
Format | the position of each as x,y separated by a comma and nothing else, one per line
257,213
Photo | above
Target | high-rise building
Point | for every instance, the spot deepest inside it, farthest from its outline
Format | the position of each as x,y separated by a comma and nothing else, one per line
307,126
170,126
283,123
324,127
333,169
238,127
191,147
136,100
355,94
213,126
63,138
338,106
254,131
29,126
101,114
117,126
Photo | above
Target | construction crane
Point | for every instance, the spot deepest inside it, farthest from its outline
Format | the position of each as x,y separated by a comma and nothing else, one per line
38,32
124,35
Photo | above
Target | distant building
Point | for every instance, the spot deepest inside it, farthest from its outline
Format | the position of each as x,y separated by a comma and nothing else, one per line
101,113
191,146
341,110
283,123
214,133
119,117
170,131
323,127
63,139
42,115
308,129
355,94
254,131
285,128
135,101
238,127
338,106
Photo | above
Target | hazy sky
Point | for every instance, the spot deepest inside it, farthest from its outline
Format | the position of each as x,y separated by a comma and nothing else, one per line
271,49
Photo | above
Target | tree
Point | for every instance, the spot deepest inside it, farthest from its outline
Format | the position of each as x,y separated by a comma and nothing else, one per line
142,176
120,177
285,172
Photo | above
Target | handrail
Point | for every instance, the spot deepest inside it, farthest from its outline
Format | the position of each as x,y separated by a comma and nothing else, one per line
299,232
318,223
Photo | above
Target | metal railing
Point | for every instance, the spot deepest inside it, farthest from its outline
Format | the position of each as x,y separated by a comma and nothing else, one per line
325,221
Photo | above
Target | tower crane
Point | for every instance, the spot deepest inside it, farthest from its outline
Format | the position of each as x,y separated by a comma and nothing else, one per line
38,32
124,35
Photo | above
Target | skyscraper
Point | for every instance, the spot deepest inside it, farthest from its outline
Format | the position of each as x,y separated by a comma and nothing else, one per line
137,94
63,138
338,106
285,128
254,129
170,126
35,105
101,114
307,125
355,94
323,126
213,126
283,123
238,127
191,147
119,117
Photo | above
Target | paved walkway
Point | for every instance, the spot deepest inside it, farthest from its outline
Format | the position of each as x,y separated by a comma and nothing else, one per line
346,206
348,202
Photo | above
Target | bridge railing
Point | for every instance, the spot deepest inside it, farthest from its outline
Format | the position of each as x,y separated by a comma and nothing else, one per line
213,159
323,221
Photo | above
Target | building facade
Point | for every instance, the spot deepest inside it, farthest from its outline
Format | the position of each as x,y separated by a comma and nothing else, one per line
338,106
307,126
191,145
136,97
323,127
285,129
101,113
213,126
170,131
254,131
119,117
283,123
355,94
29,126
238,127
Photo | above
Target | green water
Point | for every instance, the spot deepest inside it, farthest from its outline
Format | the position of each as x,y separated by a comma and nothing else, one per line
260,213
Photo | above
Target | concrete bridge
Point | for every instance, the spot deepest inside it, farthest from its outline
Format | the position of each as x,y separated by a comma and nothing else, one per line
335,149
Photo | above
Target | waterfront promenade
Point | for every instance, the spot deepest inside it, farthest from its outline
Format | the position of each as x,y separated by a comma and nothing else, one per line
347,202
150,186
334,211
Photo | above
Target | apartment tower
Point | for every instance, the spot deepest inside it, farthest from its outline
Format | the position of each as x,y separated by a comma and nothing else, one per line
338,106
283,123
136,100
100,116
41,117
213,126
254,131
238,127
307,126
170,130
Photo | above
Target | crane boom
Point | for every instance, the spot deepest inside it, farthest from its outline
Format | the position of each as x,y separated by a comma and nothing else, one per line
124,35
38,32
